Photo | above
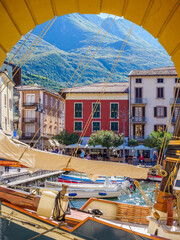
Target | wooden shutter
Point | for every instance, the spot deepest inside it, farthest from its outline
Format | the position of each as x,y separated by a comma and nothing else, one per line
133,111
143,130
143,111
133,130
155,128
155,111
165,111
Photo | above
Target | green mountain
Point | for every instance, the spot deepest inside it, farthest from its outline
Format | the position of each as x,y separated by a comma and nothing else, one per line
55,59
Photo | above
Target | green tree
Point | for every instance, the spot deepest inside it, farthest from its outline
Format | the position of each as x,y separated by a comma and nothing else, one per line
106,139
155,139
133,142
67,138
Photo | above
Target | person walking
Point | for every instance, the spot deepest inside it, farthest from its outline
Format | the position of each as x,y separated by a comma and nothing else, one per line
141,159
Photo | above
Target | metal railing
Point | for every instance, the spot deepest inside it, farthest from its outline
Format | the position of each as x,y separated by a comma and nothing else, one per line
139,101
30,104
138,119
29,120
139,137
26,135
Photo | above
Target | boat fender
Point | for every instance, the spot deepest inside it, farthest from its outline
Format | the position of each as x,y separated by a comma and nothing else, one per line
72,194
102,194
95,212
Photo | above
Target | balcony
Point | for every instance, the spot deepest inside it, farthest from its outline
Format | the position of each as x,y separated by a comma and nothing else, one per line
27,135
138,119
30,104
173,100
29,120
139,101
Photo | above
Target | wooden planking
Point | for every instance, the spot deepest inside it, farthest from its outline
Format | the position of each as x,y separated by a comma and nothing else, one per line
63,7
89,6
116,7
133,214
42,10
19,11
134,13
9,33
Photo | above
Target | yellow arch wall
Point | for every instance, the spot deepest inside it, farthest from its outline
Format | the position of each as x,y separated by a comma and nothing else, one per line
161,18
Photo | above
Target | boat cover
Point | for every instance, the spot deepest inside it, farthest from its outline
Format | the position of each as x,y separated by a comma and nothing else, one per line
35,159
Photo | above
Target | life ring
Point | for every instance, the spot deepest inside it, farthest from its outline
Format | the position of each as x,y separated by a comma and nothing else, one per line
114,181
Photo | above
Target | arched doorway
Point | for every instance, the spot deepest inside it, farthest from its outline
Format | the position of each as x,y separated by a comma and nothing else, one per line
158,17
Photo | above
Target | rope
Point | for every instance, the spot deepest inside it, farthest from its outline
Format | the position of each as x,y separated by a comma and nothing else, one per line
102,92
18,49
30,51
68,84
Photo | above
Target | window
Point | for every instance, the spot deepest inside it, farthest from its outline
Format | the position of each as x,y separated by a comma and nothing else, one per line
160,111
5,101
30,128
10,103
96,108
95,126
78,126
160,80
177,80
114,110
46,100
160,92
30,98
138,80
51,101
114,126
177,94
159,127
30,114
78,110
138,113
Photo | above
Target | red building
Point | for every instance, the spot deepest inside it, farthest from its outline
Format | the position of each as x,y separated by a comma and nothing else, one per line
108,115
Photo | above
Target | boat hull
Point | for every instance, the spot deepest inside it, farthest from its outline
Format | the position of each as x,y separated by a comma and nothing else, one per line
89,229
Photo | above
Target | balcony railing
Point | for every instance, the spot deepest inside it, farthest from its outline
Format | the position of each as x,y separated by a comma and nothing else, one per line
29,120
138,100
30,104
138,119
27,135
139,137
173,100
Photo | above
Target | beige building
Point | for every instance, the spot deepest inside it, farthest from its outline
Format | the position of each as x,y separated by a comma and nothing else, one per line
37,121
150,100
6,103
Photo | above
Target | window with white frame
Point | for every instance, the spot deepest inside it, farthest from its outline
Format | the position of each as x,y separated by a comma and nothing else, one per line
115,126
30,114
78,110
30,128
51,101
96,126
5,100
78,126
46,100
114,110
30,98
96,107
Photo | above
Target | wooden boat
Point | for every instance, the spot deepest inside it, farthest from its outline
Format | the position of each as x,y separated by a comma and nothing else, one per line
28,216
154,176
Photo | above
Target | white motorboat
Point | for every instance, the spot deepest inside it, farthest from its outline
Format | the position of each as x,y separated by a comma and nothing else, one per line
83,190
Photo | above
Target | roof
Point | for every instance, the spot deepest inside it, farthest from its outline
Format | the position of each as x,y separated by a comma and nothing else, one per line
116,87
35,88
163,71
